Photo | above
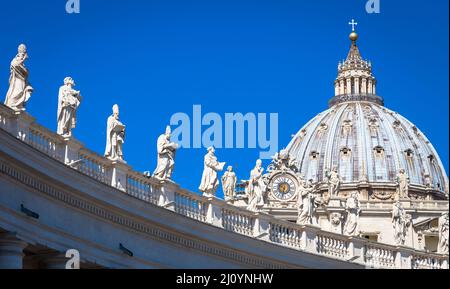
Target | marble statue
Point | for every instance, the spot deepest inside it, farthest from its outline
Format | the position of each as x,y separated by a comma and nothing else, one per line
166,156
68,102
334,182
19,91
402,185
229,184
400,222
352,207
210,182
306,202
443,234
256,188
115,136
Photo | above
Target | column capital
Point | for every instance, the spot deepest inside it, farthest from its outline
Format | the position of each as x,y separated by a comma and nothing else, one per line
11,251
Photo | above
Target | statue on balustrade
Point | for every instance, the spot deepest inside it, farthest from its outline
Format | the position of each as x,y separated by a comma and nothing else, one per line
210,182
115,136
68,101
166,156
19,91
229,184
334,182
400,222
307,202
402,181
256,188
443,234
352,206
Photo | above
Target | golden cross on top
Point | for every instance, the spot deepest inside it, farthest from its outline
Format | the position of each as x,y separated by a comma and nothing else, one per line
353,24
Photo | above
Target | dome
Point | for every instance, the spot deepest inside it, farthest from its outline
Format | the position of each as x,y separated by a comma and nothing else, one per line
364,140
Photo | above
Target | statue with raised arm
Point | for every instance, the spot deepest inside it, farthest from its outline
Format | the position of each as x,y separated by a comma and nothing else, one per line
115,136
20,90
229,184
166,156
352,206
443,234
256,188
210,182
334,182
306,202
402,185
68,102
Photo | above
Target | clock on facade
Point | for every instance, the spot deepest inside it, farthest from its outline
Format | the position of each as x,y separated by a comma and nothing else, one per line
283,187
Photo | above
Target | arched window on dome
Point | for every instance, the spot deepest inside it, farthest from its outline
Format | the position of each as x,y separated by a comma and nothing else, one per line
378,151
314,155
409,153
313,165
345,164
347,127
409,156
436,176
380,163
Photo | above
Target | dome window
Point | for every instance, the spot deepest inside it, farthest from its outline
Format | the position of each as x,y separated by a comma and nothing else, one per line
347,126
409,153
373,123
396,124
431,158
323,127
314,155
379,151
345,152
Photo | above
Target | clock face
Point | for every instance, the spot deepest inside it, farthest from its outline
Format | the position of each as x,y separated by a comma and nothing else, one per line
283,187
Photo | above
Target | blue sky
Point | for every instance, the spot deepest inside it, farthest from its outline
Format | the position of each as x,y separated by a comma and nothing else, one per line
156,58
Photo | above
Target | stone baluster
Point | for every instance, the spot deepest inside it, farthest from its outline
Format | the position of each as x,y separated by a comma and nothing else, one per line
11,251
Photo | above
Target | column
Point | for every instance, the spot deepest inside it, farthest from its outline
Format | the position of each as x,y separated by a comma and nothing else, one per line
356,85
336,88
11,251
374,88
370,87
52,261
348,89
341,87
364,86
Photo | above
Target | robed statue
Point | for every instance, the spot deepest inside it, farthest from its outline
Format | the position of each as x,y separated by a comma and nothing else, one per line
210,182
20,90
166,156
229,184
68,101
256,188
115,136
